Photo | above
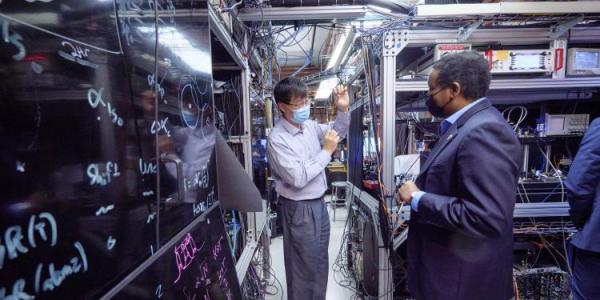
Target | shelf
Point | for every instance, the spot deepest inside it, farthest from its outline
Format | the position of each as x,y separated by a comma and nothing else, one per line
556,209
225,37
547,139
508,8
512,84
484,36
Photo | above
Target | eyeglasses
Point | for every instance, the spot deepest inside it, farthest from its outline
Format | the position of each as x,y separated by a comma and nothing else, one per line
304,102
431,94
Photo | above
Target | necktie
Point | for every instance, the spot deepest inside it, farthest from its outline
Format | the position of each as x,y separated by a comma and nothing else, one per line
444,126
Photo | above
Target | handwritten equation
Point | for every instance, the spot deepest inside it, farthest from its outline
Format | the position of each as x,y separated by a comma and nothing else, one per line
77,54
205,277
19,241
95,99
160,126
198,180
102,174
147,168
185,253
15,39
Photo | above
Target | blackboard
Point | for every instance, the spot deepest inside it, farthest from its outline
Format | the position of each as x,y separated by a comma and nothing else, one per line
197,264
91,125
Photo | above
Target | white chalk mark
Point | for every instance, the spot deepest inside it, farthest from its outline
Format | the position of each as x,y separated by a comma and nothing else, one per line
20,166
110,243
104,209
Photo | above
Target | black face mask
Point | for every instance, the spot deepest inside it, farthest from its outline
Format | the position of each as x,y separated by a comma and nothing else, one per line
434,109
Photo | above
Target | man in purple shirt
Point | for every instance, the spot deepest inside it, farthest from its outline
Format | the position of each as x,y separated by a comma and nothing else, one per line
298,151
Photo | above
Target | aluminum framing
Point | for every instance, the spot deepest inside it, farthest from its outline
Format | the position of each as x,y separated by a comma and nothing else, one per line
512,35
542,209
508,8
302,13
256,222
224,36
513,84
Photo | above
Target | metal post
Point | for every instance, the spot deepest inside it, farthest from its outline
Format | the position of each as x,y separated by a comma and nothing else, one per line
265,242
525,169
390,48
549,155
388,111
412,143
247,142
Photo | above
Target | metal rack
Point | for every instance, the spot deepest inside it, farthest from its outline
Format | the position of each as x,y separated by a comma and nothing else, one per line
512,84
394,42
256,233
557,23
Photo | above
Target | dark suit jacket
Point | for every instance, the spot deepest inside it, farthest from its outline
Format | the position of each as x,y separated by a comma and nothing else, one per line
583,190
460,242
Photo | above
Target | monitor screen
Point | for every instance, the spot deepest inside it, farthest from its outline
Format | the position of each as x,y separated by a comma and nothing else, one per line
585,60
556,123
526,61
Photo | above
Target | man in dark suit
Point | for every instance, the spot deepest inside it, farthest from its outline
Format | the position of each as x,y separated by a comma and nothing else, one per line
583,192
460,237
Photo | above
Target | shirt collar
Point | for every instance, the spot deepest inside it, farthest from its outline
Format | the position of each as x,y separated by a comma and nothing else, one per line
289,127
455,116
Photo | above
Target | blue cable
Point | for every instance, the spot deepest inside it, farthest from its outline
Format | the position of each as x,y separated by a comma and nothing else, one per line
547,197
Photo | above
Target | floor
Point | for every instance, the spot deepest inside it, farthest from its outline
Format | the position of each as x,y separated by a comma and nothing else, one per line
334,291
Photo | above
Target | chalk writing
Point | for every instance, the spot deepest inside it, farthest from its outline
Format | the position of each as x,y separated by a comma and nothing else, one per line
185,253
104,209
18,292
152,80
151,217
159,126
20,166
95,100
103,178
216,251
56,276
14,39
76,51
147,168
159,291
218,257
48,277
42,226
189,100
110,243
199,208
210,199
198,180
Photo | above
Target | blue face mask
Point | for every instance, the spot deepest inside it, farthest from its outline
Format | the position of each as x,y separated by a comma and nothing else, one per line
301,115
189,118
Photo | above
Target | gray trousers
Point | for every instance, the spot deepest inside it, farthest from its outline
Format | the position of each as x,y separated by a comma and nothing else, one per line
306,231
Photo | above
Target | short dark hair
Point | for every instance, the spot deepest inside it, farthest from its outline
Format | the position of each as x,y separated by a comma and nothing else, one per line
288,88
469,68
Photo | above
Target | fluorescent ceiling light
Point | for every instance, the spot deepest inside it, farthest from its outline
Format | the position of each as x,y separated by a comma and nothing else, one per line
326,88
335,55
